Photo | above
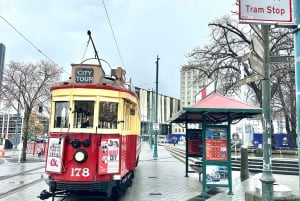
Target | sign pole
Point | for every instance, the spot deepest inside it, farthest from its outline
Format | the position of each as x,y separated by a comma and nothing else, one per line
267,177
296,6
280,13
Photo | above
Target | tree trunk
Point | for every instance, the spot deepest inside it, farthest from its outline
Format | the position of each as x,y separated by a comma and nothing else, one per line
25,137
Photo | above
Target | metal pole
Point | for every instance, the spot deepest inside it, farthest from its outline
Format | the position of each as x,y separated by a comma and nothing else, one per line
3,135
296,6
267,177
17,125
156,109
18,114
21,135
151,120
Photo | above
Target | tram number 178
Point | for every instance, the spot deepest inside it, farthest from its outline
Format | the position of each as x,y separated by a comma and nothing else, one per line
80,172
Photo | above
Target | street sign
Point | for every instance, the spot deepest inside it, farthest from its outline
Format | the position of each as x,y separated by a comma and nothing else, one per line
258,47
249,79
155,126
256,64
245,57
281,59
268,11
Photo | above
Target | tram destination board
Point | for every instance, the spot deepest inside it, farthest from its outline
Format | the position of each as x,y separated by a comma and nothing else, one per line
84,75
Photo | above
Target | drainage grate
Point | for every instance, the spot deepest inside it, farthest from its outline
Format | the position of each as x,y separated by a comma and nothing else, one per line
152,177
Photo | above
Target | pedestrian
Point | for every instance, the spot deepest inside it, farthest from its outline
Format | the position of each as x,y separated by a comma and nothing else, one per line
174,142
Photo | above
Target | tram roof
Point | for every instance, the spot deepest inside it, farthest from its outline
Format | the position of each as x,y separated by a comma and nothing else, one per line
216,108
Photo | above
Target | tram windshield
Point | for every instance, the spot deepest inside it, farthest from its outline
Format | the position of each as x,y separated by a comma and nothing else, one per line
83,114
61,118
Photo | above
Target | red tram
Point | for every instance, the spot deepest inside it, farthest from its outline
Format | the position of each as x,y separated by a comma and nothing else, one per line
94,139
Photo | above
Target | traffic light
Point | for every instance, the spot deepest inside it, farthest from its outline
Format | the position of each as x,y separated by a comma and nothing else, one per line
40,108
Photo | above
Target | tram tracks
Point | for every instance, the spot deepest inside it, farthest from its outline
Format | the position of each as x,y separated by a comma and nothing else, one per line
20,181
17,189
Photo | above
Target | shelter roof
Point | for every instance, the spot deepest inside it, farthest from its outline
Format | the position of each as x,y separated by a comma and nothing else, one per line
216,108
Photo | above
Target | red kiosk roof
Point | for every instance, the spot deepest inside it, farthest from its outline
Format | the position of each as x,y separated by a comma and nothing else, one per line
216,108
218,101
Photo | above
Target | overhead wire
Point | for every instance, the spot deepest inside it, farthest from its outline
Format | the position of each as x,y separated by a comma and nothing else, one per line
111,28
30,42
25,38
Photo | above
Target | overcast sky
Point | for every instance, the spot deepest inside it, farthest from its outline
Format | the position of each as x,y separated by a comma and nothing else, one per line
143,30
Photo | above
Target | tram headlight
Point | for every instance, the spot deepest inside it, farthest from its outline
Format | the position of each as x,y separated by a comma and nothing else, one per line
76,143
86,142
80,156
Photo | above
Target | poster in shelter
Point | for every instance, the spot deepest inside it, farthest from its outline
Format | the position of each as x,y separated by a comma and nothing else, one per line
216,174
216,143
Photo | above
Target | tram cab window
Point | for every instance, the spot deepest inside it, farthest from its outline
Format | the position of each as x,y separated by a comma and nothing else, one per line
108,113
61,116
83,114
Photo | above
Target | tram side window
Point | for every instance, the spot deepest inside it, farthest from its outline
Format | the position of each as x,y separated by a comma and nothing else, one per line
84,114
61,116
108,115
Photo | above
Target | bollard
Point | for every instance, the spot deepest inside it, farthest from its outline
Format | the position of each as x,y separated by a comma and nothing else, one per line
244,173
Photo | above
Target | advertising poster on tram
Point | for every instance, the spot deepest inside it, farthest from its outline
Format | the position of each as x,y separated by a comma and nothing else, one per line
216,143
108,156
54,156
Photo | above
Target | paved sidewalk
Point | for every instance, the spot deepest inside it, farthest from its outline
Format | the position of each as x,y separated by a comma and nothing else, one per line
161,179
164,179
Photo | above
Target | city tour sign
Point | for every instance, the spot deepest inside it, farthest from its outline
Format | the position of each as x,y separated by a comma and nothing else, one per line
267,11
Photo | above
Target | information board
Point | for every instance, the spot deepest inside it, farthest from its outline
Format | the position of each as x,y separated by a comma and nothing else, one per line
216,143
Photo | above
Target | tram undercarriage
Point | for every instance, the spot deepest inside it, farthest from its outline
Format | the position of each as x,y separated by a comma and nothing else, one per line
109,189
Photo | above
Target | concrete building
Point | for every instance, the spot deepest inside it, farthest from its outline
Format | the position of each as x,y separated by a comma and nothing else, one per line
167,106
190,85
8,128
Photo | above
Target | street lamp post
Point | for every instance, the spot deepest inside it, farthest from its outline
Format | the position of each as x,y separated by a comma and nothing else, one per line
151,120
155,155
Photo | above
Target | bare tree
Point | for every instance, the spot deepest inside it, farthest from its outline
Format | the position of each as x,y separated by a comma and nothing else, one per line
25,86
221,60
